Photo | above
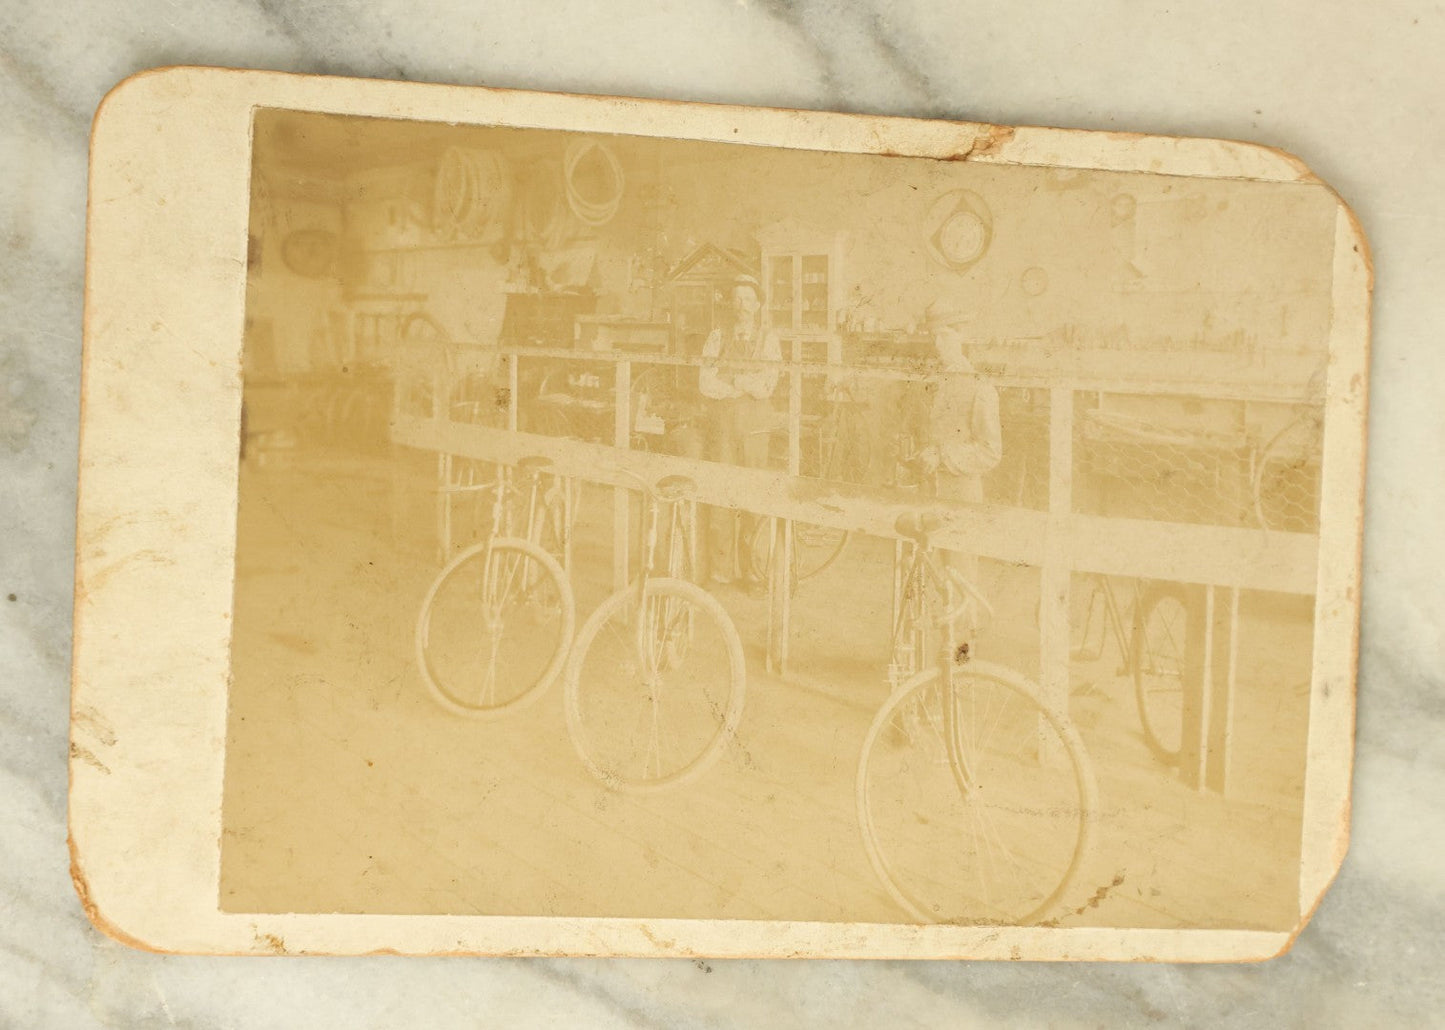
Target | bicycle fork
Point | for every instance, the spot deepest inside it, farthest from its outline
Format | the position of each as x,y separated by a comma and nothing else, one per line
949,657
910,640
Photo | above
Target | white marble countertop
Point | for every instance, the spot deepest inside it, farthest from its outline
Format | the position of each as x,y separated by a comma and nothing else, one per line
1354,89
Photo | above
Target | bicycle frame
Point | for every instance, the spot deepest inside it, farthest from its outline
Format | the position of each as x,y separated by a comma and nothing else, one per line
501,526
950,656
654,635
912,580
925,570
504,524
653,625
908,600
924,726
501,489
1113,619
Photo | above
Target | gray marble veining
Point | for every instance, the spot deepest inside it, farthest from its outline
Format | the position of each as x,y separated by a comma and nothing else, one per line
1353,89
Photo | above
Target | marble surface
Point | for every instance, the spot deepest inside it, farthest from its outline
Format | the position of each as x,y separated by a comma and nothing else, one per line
1354,89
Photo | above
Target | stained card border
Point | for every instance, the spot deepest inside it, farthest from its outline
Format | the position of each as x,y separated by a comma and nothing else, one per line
156,520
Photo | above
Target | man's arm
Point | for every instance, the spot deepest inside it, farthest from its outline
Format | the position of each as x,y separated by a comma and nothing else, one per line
972,443
762,382
709,383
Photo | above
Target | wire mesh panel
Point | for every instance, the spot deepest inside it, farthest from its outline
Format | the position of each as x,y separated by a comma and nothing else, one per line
1163,458
1286,481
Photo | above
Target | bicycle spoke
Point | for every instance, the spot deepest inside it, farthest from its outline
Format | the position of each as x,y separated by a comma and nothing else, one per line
652,756
973,723
990,725
492,629
489,681
958,752
986,833
1159,673
645,703
994,842
975,818
670,751
514,573
1175,648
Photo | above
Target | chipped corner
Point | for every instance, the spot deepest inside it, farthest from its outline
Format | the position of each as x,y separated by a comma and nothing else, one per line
92,910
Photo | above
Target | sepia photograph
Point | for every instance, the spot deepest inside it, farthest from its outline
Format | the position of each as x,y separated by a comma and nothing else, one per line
764,513
656,528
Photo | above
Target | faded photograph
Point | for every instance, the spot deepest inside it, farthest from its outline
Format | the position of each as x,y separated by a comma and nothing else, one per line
641,527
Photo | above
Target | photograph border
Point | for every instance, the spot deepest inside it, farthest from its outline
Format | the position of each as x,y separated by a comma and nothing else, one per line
161,385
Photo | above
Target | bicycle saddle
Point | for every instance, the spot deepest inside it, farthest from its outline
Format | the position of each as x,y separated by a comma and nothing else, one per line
674,488
533,464
913,525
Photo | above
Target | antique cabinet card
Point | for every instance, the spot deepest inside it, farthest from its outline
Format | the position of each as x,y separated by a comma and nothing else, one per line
533,524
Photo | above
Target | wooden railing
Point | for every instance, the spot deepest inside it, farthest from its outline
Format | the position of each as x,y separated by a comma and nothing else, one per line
1058,539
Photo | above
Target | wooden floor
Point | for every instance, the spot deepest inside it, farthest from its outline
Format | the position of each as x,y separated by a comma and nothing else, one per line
349,790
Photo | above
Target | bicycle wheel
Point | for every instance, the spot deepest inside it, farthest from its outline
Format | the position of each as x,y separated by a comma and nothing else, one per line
814,549
1160,657
975,799
494,628
654,693
1286,480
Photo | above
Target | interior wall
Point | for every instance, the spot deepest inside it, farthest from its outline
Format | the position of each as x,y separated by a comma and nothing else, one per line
1081,260
292,319
1192,261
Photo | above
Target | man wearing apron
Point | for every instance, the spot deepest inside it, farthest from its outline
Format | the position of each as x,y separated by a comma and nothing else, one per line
739,416
965,438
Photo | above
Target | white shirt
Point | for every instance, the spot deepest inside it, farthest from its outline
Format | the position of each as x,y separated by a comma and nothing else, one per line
760,383
965,423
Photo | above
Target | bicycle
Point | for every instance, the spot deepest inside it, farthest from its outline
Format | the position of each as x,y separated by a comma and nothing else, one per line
842,452
497,622
473,399
1154,653
1285,484
815,548
975,797
655,680
844,439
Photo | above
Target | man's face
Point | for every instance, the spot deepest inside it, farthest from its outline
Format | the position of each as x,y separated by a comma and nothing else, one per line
745,302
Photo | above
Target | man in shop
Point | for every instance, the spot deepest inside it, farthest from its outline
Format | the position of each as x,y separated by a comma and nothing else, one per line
739,418
964,435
